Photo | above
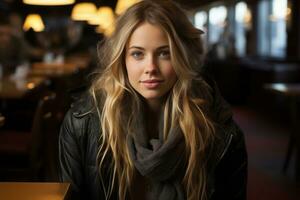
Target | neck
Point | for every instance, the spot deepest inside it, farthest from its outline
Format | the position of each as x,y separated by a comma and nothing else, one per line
154,106
152,115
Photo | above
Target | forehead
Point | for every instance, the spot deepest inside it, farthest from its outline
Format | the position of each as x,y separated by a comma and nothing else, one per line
147,34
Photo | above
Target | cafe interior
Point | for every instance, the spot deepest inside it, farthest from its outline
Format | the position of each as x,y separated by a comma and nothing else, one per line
48,53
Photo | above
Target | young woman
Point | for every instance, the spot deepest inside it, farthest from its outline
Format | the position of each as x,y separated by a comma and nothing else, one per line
151,126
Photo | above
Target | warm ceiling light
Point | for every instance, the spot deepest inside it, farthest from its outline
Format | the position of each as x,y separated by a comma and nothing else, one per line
49,2
122,5
104,17
35,22
83,11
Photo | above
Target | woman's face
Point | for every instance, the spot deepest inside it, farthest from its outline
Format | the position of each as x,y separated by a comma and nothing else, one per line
148,62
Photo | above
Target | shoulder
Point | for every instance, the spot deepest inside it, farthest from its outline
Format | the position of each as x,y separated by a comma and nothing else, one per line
232,137
217,108
229,138
229,147
78,147
83,105
81,117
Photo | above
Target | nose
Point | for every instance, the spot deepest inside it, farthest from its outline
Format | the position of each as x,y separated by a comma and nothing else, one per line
151,65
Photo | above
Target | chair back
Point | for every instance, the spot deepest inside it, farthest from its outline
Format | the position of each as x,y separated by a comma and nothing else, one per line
45,132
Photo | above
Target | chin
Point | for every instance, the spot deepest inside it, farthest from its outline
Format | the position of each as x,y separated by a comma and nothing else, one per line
152,96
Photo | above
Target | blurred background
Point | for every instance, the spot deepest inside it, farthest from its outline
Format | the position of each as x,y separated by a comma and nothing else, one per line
48,51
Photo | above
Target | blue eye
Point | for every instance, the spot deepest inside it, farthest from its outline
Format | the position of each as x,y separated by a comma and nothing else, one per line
137,54
164,54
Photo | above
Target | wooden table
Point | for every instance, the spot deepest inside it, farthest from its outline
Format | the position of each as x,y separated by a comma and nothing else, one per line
53,69
69,67
292,92
33,191
17,88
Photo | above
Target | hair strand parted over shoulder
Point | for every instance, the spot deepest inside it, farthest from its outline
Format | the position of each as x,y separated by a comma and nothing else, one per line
117,101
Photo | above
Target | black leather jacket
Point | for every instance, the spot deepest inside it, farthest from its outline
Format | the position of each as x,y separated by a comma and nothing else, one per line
78,146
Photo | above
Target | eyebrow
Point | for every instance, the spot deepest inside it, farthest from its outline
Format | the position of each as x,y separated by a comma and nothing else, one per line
141,48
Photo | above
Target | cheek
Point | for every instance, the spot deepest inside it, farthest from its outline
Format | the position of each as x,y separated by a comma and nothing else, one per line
132,70
169,72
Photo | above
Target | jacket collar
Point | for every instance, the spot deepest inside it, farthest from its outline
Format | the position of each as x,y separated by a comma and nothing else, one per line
83,105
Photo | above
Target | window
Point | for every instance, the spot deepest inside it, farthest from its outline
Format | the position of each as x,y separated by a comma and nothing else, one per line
201,20
242,25
217,18
272,37
278,28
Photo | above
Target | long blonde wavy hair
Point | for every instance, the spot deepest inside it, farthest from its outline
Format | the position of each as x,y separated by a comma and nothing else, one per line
117,101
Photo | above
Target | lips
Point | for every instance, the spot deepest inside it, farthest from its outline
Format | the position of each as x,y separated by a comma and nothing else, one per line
152,83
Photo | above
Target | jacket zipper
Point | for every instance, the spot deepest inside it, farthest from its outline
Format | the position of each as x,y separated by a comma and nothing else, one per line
226,148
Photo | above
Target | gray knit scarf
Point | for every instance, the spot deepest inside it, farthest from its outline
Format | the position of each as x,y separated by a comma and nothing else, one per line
161,162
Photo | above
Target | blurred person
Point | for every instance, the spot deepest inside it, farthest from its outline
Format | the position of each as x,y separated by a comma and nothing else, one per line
153,125
227,40
81,38
74,37
37,44
15,21
224,48
13,50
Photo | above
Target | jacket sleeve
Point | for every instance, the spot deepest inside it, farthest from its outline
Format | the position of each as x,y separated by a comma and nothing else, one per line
231,171
70,156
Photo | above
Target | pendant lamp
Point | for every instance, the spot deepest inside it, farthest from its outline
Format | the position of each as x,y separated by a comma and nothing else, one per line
104,17
35,22
49,2
83,11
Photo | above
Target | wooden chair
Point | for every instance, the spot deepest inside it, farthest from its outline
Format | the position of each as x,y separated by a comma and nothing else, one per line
35,151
